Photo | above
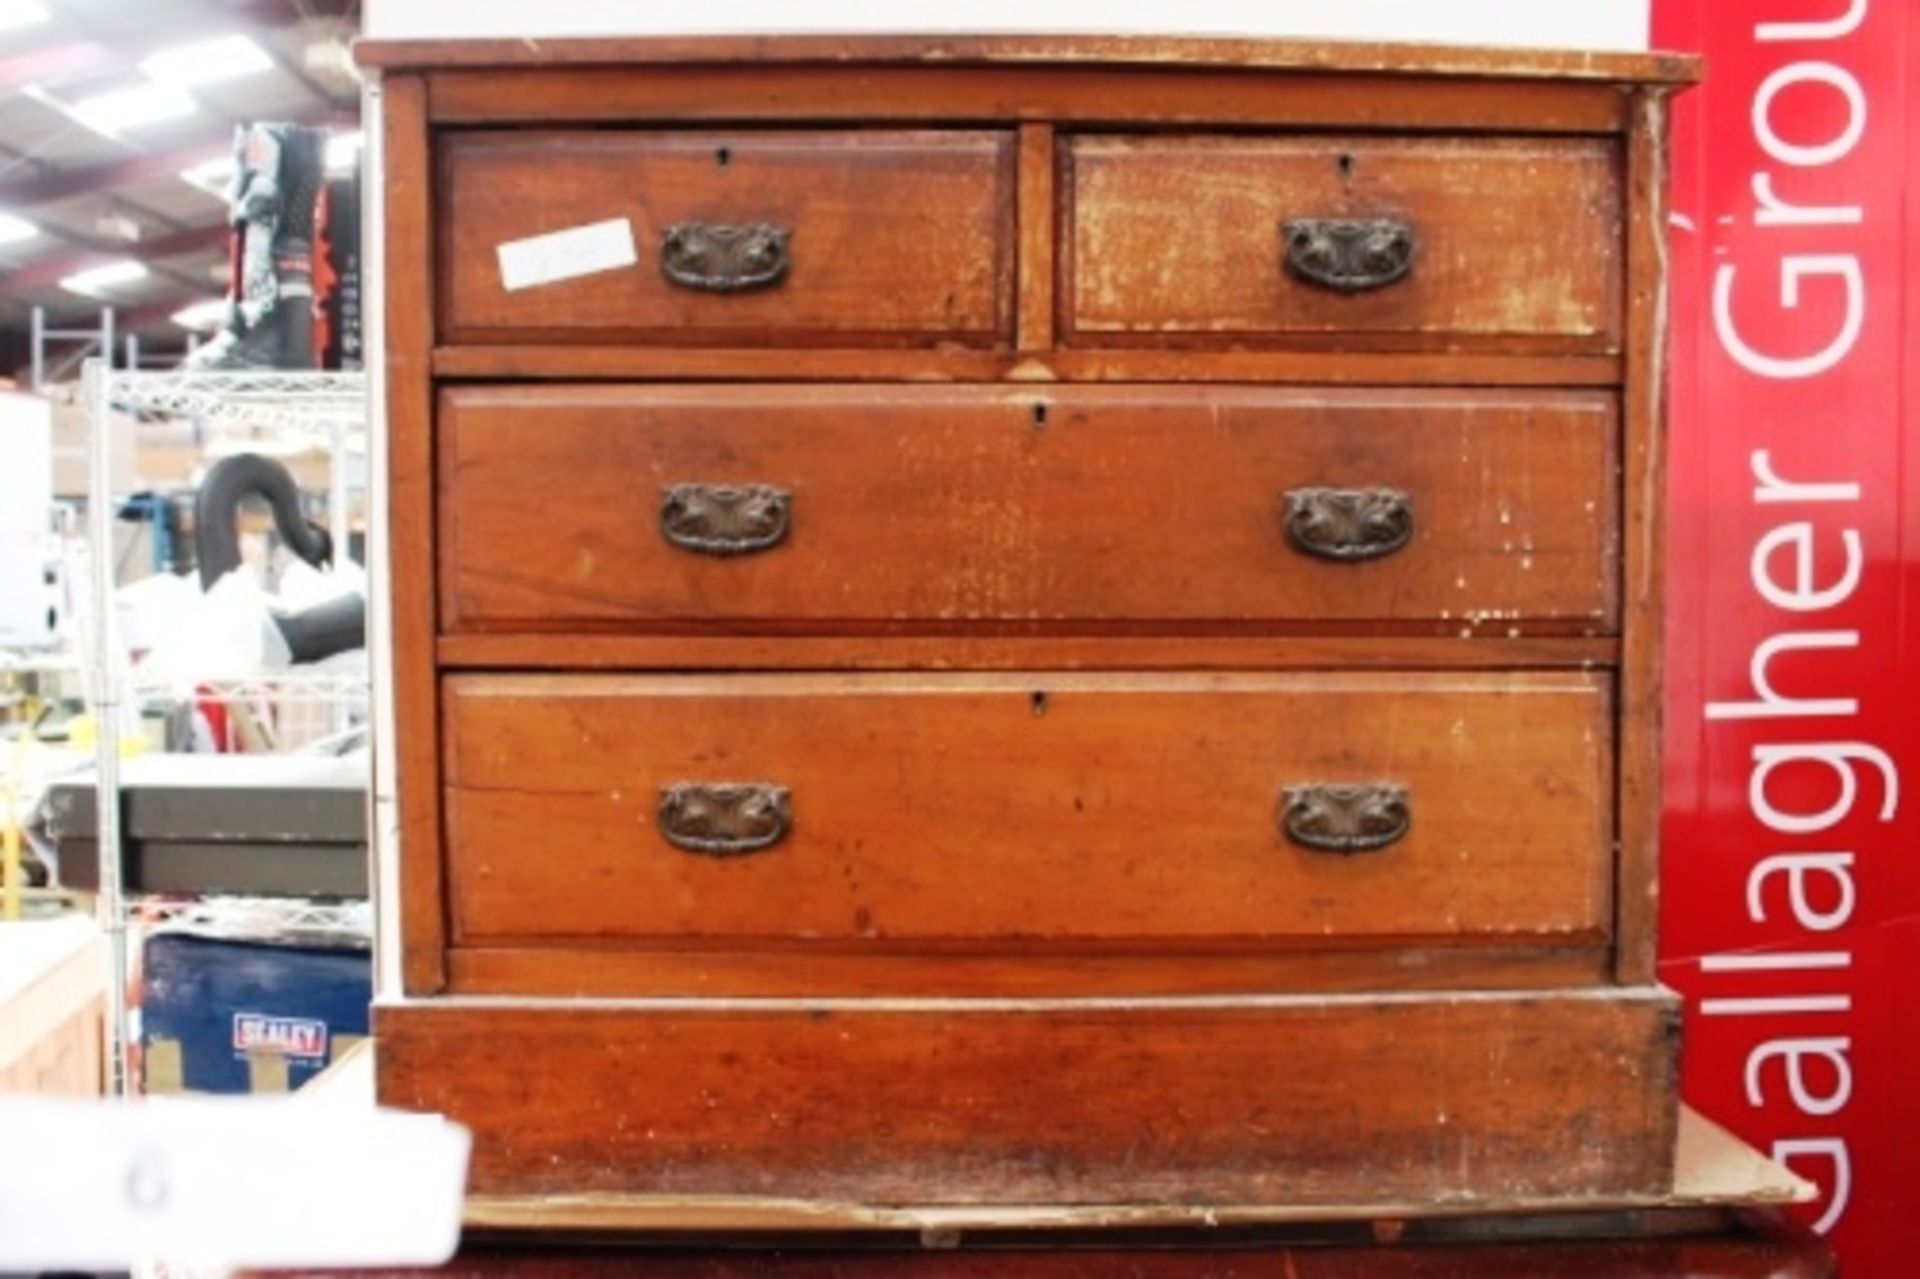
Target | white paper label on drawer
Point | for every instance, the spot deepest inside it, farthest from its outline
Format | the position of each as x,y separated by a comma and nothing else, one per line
567,255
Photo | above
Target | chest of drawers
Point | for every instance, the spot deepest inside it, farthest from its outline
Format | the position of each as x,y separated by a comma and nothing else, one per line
1026,622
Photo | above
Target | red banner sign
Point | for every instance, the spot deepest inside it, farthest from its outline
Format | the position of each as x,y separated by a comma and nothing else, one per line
1791,917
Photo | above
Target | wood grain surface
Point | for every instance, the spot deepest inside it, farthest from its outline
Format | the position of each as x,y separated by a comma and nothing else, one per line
1643,562
1067,95
1470,1097
855,967
1030,809
532,363
1039,204
1486,647
1035,655
957,506
409,552
1217,54
901,237
1514,239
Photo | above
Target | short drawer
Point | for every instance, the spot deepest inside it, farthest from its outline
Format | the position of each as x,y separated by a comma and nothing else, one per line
796,508
719,237
1029,809
1405,243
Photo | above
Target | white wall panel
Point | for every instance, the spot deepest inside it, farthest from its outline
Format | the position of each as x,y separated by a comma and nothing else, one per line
1591,24
27,547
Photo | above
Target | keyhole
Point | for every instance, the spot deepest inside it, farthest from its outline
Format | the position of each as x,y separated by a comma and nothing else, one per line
723,156
1039,702
1345,164
1039,415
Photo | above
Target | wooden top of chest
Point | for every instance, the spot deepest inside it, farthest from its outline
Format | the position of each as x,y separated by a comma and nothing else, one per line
1155,51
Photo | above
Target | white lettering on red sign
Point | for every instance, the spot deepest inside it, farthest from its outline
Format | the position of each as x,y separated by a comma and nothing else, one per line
1806,1068
285,1036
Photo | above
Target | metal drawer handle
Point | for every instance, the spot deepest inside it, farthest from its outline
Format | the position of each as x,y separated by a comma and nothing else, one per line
1348,524
724,819
719,257
725,519
1348,255
1345,817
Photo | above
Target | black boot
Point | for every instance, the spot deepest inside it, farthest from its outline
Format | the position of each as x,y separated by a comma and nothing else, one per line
276,180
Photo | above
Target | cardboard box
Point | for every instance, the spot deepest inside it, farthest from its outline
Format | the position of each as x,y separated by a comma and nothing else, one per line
53,975
226,1016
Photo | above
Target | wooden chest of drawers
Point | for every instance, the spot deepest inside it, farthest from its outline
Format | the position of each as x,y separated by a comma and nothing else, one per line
1027,621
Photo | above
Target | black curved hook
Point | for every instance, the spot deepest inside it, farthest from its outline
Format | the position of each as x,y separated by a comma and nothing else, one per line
216,510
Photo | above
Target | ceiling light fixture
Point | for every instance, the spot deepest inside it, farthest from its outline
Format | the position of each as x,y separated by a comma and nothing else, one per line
15,14
115,225
201,316
207,62
343,151
95,281
13,230
330,57
211,176
133,108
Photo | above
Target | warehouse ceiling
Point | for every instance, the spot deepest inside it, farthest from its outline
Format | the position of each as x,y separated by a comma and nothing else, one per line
116,124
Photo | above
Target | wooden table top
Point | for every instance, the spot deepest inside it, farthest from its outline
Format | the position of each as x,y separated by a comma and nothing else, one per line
1247,53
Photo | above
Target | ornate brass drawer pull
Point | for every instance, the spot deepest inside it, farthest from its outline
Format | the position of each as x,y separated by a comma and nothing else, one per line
726,519
718,257
1349,524
724,819
1345,817
1348,255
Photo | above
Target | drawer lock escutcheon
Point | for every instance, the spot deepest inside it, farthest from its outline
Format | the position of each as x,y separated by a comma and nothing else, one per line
1348,524
724,819
1345,817
1348,255
720,257
725,519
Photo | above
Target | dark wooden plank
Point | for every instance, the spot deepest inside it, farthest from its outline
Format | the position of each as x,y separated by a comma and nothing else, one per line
410,524
1438,1098
1108,364
1085,95
1154,50
556,969
955,505
1643,493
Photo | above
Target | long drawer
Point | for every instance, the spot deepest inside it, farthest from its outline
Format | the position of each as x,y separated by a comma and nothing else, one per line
1030,809
703,237
1379,1100
795,508
1404,242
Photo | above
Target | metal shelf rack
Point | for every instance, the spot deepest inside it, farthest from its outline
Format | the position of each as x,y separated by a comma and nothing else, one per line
326,406
321,402
286,686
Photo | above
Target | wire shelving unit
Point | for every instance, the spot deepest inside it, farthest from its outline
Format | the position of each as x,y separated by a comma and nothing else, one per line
325,407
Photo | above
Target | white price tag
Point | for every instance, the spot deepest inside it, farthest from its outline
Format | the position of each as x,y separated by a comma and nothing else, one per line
566,255
225,1183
